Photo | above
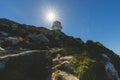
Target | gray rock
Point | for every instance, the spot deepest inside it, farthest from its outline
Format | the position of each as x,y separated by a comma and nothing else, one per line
4,33
14,40
3,63
40,38
28,65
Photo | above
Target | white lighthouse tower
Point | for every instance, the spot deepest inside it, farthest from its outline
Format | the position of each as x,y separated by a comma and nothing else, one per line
56,25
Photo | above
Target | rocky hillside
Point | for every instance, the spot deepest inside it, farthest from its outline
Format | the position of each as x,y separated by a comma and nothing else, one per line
35,53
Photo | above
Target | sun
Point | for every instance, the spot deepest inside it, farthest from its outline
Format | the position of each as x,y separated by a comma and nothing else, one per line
51,16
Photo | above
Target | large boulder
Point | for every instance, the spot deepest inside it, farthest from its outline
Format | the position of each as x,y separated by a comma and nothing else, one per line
39,38
28,65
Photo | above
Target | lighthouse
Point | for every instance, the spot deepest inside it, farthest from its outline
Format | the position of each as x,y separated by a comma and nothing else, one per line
56,25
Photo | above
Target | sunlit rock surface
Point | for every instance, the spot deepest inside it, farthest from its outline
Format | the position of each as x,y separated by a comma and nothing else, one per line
1,49
112,73
61,75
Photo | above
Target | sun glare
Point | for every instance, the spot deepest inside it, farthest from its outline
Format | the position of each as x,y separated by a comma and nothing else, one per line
51,16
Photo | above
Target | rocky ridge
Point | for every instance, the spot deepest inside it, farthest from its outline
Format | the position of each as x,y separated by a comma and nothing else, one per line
36,53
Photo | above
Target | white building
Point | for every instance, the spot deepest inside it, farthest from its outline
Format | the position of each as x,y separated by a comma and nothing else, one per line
56,25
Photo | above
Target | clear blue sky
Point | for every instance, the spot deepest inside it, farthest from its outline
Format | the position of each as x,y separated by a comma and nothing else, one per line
97,20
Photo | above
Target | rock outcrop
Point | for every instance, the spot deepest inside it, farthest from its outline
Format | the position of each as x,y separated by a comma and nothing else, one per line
28,65
28,52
